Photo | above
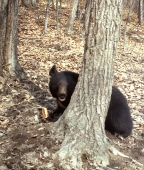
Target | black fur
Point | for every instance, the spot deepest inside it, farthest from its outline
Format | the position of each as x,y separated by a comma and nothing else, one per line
58,79
118,119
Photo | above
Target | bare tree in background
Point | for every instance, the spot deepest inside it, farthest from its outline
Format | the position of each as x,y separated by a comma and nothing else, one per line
46,17
135,6
58,10
72,16
82,124
29,3
8,39
140,11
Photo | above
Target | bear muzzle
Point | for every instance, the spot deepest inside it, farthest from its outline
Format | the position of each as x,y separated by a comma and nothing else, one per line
62,97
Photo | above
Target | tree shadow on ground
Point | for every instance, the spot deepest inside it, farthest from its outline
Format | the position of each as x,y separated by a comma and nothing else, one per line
42,96
136,36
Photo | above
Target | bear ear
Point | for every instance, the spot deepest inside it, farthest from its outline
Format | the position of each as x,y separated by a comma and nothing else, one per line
53,70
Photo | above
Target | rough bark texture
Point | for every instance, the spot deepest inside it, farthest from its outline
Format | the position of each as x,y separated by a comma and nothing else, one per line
83,120
8,39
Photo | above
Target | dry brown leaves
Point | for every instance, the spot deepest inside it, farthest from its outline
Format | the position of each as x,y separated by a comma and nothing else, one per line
37,54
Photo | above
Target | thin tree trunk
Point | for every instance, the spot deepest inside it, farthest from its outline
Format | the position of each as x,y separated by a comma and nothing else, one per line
8,38
57,13
140,12
46,17
128,17
72,16
3,15
83,120
29,3
53,5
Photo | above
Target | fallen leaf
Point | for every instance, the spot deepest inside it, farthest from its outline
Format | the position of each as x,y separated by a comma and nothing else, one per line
44,112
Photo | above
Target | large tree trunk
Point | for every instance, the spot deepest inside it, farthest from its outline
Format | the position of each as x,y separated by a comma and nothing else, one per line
8,39
83,120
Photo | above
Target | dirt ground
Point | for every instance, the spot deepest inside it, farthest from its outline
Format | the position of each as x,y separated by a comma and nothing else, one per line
25,141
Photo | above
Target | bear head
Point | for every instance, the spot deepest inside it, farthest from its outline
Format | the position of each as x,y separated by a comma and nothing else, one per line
62,84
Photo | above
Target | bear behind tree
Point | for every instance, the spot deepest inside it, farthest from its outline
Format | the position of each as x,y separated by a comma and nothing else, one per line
62,85
118,119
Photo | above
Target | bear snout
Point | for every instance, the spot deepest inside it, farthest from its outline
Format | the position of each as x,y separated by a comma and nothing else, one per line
62,97
62,92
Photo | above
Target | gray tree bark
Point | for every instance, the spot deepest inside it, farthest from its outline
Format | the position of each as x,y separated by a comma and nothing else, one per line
8,39
29,3
141,11
72,16
84,119
46,17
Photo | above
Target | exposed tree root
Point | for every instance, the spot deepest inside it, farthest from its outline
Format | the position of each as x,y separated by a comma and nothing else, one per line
116,152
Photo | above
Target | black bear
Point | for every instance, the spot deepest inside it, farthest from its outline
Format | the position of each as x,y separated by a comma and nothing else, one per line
118,119
62,85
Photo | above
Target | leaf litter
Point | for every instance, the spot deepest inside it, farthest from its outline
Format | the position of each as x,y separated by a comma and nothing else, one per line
25,139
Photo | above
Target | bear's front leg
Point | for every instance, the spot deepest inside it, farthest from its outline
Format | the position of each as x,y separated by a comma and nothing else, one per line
53,117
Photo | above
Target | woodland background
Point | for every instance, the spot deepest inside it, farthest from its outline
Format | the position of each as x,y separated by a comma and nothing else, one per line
25,142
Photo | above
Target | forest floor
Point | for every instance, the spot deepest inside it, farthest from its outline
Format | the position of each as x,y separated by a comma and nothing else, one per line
25,142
